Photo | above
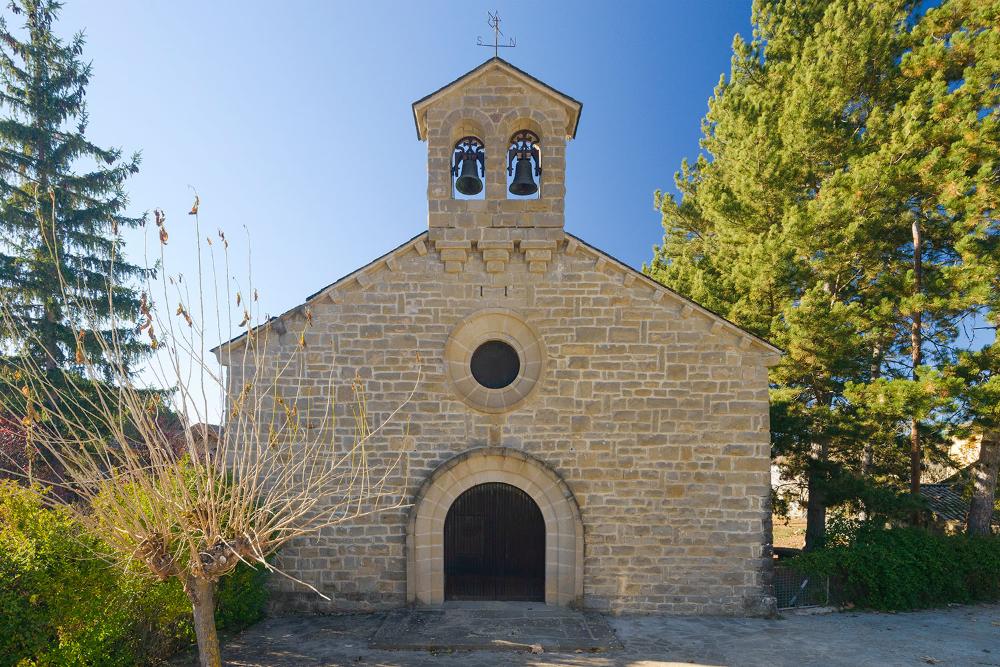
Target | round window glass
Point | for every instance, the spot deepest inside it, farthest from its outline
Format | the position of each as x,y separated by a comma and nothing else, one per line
495,364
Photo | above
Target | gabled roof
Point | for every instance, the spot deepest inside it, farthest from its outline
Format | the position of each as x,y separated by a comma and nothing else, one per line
573,107
945,502
694,305
948,504
270,320
420,238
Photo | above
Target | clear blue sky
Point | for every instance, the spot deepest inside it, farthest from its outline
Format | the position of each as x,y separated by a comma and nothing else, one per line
293,118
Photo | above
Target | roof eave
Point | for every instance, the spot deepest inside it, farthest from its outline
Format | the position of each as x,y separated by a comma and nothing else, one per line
236,340
762,343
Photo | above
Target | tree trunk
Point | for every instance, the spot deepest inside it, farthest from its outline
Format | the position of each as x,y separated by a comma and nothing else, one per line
201,592
916,342
868,453
867,459
984,485
48,251
816,505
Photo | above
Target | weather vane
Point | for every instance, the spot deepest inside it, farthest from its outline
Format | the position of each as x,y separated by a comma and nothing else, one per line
497,34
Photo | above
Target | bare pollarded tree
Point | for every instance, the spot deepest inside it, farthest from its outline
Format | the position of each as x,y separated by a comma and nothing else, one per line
195,503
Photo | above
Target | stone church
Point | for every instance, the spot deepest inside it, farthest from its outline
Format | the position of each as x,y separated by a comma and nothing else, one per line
581,436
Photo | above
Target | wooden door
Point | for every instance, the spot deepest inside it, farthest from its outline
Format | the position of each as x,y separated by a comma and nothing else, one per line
494,545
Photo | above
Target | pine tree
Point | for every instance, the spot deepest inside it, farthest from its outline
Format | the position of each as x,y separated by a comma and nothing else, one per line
977,385
927,179
966,187
743,239
840,137
62,204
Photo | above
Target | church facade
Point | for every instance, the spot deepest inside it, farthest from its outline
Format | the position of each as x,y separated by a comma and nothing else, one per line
581,435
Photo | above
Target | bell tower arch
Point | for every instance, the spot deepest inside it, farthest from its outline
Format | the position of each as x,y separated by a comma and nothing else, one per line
523,125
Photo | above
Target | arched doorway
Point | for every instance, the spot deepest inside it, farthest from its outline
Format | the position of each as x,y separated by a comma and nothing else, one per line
494,545
560,513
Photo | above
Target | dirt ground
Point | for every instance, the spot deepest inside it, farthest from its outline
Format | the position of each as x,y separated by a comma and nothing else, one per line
789,532
960,636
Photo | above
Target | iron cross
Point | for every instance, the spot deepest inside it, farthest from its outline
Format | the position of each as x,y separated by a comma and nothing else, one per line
494,22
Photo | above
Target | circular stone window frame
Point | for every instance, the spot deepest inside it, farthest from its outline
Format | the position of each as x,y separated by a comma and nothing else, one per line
494,324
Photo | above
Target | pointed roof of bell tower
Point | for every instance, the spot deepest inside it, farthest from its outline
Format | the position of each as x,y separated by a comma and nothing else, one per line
573,106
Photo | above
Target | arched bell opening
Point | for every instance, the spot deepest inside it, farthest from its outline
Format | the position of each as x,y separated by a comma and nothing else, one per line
524,165
494,545
468,168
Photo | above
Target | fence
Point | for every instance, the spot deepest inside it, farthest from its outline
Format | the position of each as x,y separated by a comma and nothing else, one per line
795,589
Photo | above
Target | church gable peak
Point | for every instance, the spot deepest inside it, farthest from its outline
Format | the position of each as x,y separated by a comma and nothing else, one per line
572,107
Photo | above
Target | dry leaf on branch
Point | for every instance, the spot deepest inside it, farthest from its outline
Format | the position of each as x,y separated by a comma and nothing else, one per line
81,358
183,313
161,218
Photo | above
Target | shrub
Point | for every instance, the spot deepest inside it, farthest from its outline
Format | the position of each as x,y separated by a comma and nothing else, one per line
241,598
908,568
61,604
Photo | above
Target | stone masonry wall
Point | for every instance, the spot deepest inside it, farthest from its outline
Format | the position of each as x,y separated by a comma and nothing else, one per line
653,414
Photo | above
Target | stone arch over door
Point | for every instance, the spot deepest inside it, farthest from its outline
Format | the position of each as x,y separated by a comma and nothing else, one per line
563,524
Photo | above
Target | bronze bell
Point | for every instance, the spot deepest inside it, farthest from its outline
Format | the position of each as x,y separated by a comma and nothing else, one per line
523,183
469,182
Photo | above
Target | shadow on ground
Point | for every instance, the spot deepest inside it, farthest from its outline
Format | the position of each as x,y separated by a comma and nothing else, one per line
968,635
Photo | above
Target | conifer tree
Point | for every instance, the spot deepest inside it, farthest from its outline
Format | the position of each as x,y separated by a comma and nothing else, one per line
927,182
843,133
62,204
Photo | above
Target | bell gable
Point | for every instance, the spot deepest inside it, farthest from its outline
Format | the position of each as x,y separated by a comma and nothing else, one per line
496,156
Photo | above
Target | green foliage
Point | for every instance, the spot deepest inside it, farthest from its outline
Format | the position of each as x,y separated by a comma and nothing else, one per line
25,398
974,383
62,204
62,604
241,598
906,568
842,128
